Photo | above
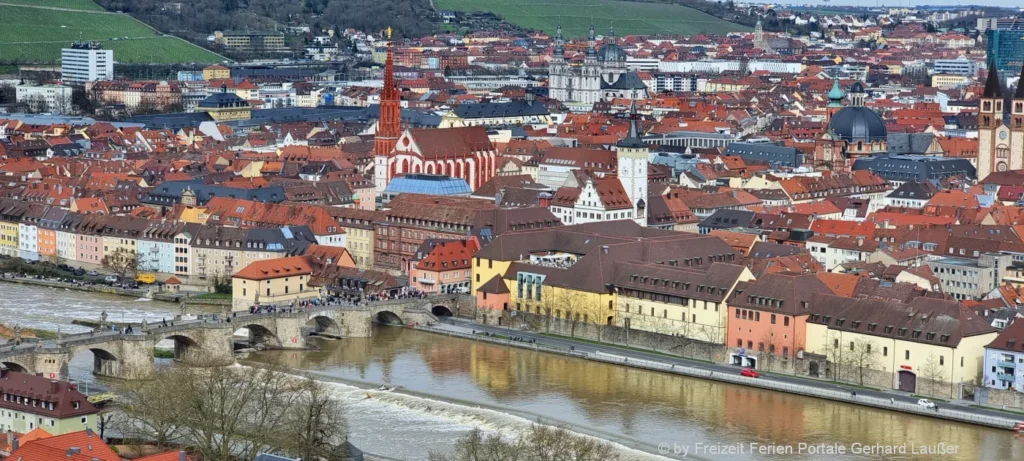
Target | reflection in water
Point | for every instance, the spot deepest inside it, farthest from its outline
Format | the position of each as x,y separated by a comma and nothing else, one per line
645,408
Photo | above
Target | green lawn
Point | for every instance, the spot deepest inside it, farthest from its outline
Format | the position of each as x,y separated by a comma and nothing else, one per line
213,296
87,5
37,35
576,16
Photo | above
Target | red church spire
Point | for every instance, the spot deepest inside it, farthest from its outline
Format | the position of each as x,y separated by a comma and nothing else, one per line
389,125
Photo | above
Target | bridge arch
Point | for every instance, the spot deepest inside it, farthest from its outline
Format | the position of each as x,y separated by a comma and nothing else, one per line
387,317
259,334
185,347
104,362
441,311
324,324
15,366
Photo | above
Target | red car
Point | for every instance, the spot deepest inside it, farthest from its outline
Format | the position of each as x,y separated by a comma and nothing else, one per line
750,373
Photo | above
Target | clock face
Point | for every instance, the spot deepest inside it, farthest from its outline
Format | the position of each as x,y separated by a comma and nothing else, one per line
1002,135
1001,166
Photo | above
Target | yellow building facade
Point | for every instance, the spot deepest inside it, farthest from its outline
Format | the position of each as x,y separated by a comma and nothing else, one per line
280,281
8,238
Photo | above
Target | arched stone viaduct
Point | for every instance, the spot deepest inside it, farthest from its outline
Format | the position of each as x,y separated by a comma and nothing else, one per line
210,343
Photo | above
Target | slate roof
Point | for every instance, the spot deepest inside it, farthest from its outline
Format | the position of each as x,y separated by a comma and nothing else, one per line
764,153
914,190
909,143
773,250
728,219
915,167
517,108
626,81
169,192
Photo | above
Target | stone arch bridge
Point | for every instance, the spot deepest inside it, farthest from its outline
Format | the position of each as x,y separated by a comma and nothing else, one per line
210,342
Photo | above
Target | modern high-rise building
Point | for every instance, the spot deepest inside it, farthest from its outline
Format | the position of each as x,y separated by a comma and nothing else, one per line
1006,48
86,62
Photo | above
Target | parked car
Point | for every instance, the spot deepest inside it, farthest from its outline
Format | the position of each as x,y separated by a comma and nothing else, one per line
93,273
926,403
111,279
750,373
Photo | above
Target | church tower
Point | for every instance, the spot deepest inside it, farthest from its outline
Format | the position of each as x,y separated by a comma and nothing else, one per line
557,70
590,80
758,35
389,122
631,154
1017,125
835,98
993,142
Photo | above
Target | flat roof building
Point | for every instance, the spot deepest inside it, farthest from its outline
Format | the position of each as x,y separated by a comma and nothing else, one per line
86,62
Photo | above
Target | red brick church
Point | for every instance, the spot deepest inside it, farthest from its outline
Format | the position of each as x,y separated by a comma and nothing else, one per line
465,153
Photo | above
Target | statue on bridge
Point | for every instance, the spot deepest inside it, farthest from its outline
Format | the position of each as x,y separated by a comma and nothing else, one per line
60,334
17,334
103,319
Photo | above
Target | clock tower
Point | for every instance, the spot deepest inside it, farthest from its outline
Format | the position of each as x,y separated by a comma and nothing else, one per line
632,157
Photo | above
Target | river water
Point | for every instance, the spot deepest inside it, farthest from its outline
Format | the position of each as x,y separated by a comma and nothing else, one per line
448,386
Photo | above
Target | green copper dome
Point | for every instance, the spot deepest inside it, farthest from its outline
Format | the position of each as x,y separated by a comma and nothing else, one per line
836,94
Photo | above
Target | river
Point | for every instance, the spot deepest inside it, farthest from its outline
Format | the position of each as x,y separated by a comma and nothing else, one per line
450,386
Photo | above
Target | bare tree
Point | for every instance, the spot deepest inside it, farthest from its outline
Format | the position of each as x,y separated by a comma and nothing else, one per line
834,354
767,349
226,413
863,355
539,443
121,262
62,104
934,375
707,337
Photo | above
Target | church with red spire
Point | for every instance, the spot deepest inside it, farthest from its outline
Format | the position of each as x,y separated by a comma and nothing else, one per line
389,124
465,152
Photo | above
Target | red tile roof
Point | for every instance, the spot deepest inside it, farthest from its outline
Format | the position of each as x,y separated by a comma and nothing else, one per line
276,268
76,446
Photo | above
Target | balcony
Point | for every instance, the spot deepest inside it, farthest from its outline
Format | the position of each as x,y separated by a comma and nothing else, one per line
427,281
1005,364
1004,377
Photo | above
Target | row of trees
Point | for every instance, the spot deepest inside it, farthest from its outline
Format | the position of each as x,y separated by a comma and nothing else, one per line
230,413
197,19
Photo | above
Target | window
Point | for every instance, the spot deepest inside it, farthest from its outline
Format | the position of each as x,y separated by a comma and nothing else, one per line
906,355
942,360
773,319
85,420
785,321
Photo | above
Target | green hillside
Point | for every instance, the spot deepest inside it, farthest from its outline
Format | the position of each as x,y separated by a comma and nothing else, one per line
576,16
36,34
87,5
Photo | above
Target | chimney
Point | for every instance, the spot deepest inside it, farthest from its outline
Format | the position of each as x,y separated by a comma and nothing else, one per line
53,387
15,444
860,241
182,456
604,248
88,432
73,451
732,193
499,196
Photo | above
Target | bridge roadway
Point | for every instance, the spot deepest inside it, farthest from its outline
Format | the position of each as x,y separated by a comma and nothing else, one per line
207,342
